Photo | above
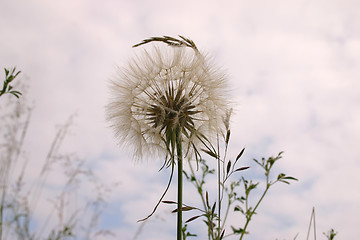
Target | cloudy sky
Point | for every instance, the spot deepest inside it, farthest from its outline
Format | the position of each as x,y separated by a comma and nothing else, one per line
294,70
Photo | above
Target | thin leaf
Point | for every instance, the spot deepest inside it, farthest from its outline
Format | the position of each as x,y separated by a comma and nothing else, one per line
213,209
186,208
284,181
212,154
169,202
241,169
291,178
193,218
186,175
207,199
228,167
240,154
227,136
222,234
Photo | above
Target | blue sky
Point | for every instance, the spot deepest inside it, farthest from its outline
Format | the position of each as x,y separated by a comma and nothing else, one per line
293,67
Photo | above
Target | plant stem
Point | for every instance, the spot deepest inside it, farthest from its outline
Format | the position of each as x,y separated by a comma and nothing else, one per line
199,188
219,189
180,186
248,218
252,213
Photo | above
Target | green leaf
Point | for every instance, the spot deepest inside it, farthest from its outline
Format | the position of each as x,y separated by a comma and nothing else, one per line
16,93
252,186
237,208
261,164
186,175
190,234
237,231
284,181
213,209
291,178
281,175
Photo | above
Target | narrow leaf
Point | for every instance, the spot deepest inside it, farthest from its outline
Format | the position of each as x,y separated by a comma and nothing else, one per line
193,218
222,234
207,199
212,154
213,209
227,136
241,169
169,202
228,167
187,208
186,175
284,181
240,154
291,178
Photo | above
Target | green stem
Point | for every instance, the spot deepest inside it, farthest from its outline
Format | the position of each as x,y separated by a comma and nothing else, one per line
219,189
226,214
180,186
199,188
248,218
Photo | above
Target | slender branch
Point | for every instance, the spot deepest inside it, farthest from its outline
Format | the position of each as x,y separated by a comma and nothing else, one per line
226,214
198,187
248,218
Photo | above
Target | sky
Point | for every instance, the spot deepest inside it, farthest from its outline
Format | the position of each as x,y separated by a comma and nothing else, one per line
293,67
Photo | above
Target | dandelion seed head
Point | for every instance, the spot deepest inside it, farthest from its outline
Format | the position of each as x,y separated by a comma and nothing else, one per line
164,90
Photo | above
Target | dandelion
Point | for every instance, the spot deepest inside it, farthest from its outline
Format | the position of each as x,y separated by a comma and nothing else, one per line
168,102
